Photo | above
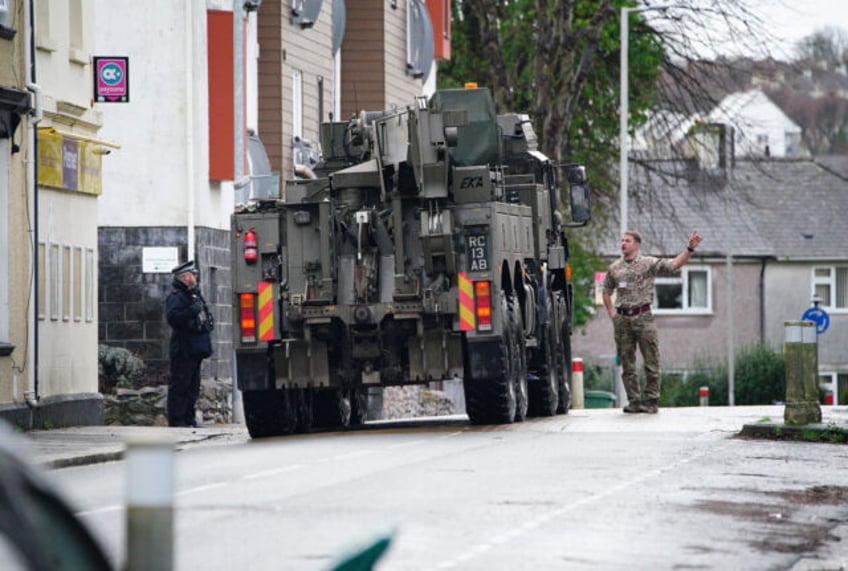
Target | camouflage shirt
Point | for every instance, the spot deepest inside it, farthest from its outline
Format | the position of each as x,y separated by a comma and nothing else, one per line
633,281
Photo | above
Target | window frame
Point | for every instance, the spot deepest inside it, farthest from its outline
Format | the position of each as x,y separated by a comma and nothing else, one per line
683,279
54,280
830,282
297,103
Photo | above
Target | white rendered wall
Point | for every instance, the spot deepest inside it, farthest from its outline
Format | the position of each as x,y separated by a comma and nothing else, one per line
163,130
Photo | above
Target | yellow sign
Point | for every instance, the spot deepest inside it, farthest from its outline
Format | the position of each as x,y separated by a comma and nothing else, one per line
69,163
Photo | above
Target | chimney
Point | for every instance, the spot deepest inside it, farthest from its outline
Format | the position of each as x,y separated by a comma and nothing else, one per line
713,147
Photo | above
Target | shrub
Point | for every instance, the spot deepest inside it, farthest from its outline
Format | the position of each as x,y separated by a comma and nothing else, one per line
117,367
759,378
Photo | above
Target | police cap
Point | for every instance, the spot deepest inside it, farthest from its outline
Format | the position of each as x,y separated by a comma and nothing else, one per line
184,267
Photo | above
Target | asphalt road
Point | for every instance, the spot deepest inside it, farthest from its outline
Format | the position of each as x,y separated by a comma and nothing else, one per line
591,490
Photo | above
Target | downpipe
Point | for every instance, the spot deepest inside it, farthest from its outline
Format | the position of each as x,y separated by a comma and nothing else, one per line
31,394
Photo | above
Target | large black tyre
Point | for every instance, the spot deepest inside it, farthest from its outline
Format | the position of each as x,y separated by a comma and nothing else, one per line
332,408
563,356
304,407
268,413
519,362
493,401
544,394
359,405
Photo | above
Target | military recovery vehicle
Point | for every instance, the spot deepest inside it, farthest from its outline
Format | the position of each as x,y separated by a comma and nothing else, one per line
426,245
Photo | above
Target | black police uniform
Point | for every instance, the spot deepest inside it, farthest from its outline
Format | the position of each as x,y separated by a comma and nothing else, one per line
191,321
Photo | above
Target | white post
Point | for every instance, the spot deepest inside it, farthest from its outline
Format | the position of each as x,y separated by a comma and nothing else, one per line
150,504
577,398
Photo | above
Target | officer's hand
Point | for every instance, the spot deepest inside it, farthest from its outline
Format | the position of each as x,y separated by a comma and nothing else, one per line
197,306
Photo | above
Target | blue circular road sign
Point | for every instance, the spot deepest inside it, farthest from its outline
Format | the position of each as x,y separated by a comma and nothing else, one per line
818,316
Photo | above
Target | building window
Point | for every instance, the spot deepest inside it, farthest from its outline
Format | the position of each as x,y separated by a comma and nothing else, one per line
76,32
297,104
834,388
43,38
5,14
830,283
690,292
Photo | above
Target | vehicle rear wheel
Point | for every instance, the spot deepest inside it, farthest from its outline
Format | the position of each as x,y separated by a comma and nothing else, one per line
519,362
332,408
268,413
545,399
564,370
494,400
359,406
304,407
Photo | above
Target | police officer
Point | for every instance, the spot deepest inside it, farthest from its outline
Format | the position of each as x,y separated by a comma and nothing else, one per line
631,277
191,323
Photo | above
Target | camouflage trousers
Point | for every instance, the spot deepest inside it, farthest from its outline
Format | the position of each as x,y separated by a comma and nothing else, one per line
631,332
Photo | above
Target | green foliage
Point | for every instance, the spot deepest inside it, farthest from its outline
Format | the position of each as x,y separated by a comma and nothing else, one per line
117,367
759,378
584,263
598,378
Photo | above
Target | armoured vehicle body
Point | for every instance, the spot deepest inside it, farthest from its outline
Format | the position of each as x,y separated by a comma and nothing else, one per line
426,245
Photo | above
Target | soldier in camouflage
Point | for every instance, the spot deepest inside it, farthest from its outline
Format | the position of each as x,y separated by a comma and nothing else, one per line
631,278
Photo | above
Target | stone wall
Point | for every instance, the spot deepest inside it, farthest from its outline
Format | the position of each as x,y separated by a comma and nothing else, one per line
146,406
131,304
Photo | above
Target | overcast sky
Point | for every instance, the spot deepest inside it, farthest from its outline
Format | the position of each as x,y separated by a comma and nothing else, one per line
787,21
793,20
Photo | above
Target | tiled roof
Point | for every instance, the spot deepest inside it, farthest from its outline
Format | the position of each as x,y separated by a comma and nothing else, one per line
768,208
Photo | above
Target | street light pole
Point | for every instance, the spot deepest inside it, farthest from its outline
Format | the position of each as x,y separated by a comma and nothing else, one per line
623,117
625,111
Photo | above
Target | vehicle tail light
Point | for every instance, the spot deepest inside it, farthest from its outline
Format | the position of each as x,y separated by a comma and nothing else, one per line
483,305
250,246
247,304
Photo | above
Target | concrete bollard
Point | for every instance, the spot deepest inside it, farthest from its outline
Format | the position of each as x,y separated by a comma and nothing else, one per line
577,397
150,504
802,391
704,396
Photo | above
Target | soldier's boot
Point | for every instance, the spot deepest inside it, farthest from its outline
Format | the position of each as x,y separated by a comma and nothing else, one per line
649,406
633,406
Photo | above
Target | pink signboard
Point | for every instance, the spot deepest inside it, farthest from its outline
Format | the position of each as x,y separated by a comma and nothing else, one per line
111,79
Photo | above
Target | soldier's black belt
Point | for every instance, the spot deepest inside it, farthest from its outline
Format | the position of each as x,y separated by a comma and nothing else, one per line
630,311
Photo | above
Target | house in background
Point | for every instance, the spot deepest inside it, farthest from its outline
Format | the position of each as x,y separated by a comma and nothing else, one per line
332,60
773,236
761,129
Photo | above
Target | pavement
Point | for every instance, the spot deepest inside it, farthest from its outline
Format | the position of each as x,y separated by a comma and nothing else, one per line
77,446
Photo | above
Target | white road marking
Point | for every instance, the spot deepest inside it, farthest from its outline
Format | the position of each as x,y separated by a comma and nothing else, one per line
274,472
405,444
198,489
350,455
522,528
